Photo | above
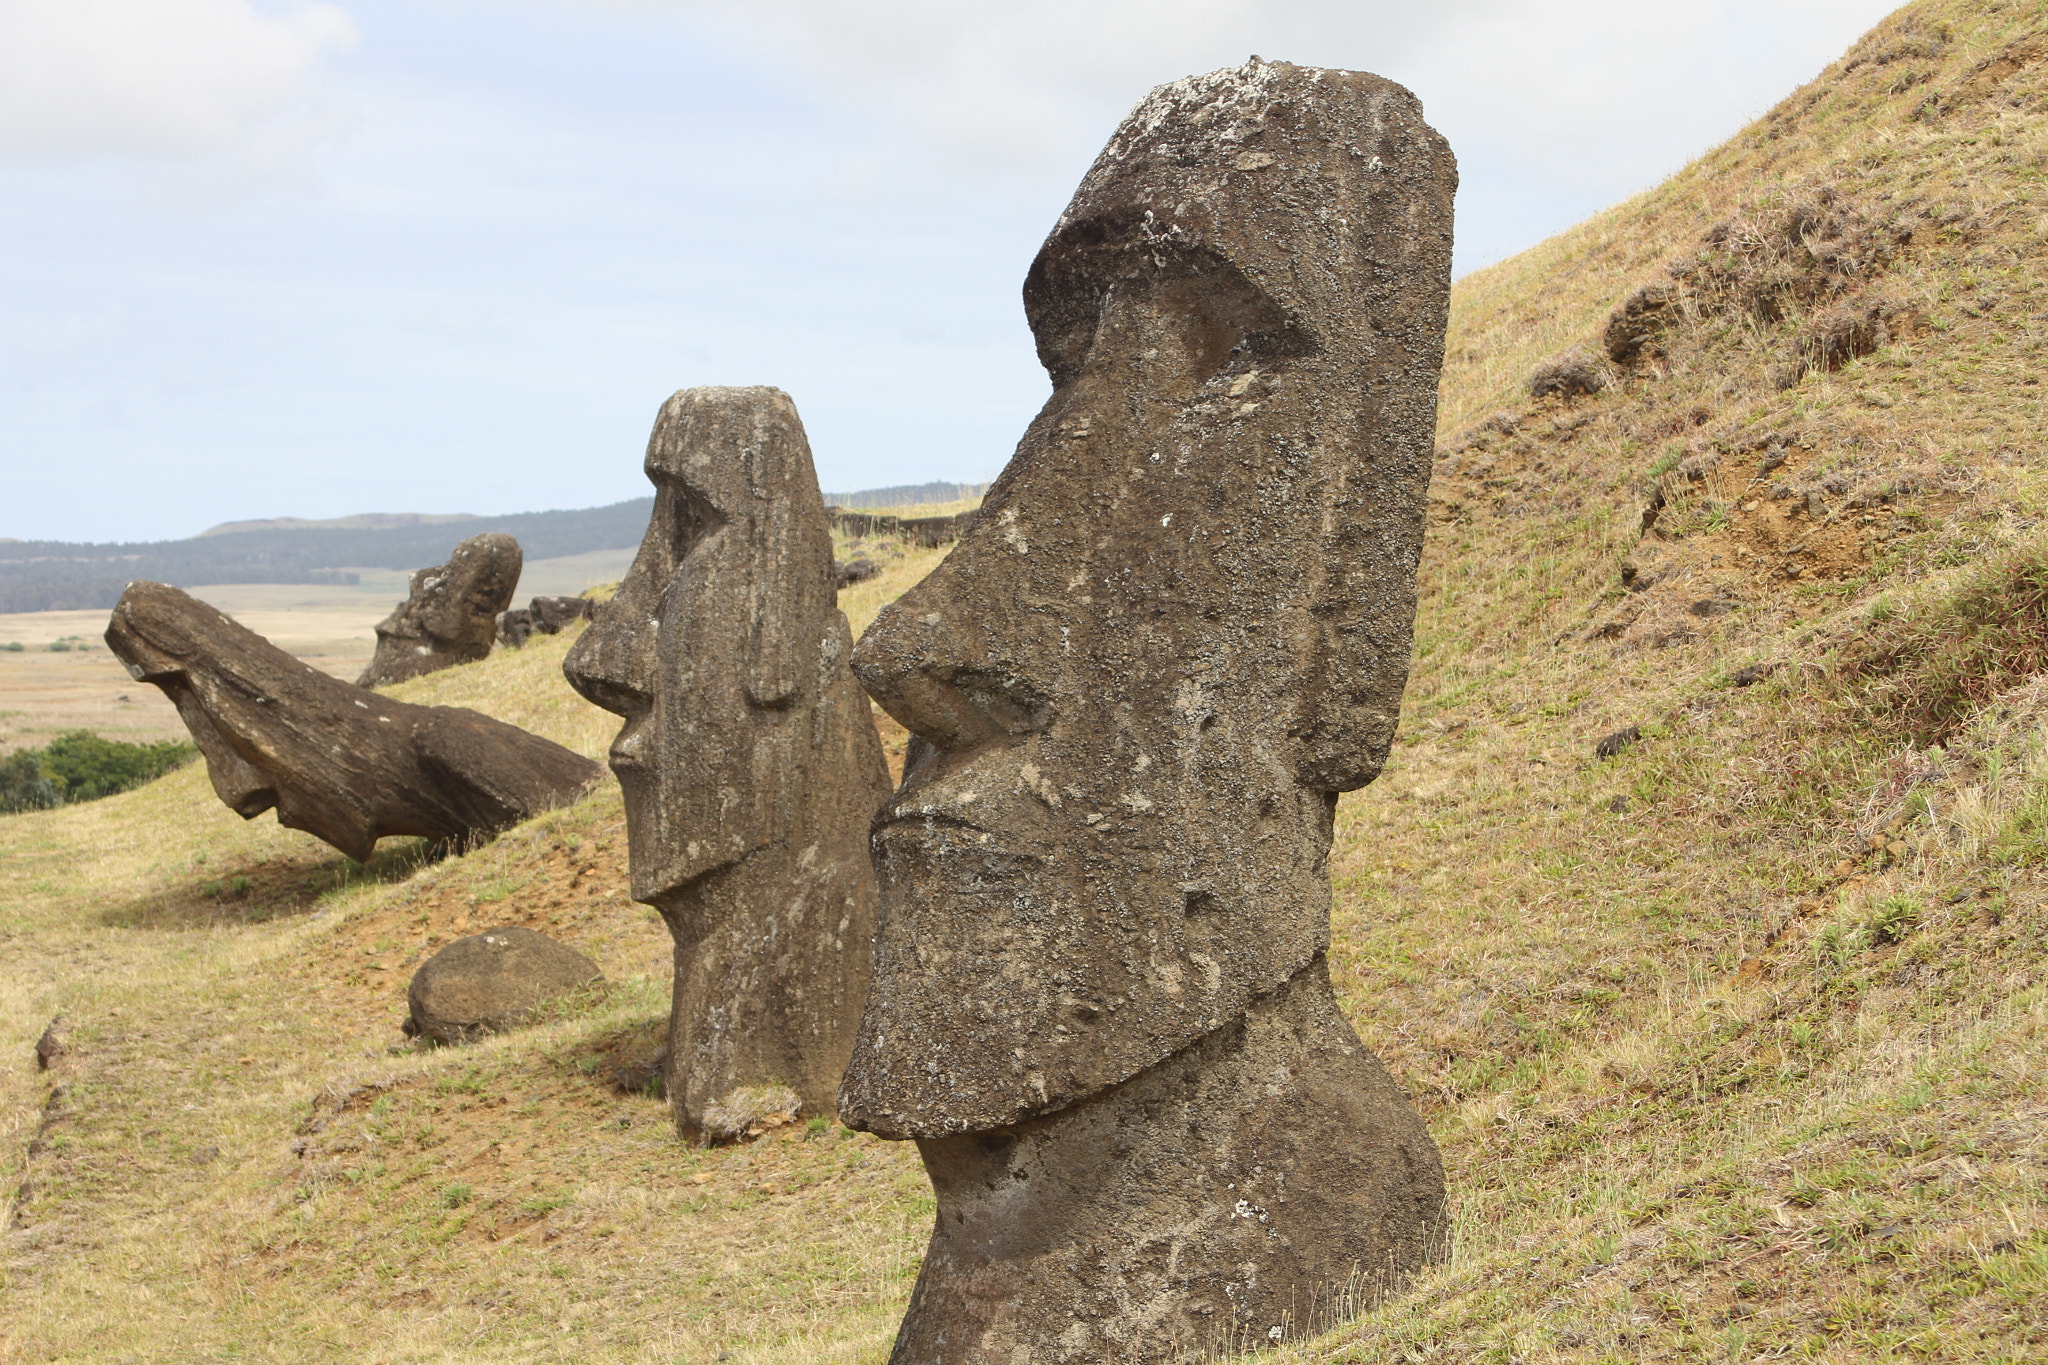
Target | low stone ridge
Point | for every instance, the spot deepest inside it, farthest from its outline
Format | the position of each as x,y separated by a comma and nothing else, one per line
345,764
491,982
451,616
925,532
748,758
1179,627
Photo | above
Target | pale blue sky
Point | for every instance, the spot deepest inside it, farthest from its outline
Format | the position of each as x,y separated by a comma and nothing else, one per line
268,259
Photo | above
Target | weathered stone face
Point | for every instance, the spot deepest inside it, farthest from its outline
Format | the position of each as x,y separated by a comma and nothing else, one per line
1181,623
749,758
451,615
340,762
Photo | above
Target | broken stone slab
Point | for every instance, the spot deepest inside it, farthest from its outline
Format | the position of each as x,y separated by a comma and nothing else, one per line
490,982
342,763
452,613
1177,629
859,569
749,758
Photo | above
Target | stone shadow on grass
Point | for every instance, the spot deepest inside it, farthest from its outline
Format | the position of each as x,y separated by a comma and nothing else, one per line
236,893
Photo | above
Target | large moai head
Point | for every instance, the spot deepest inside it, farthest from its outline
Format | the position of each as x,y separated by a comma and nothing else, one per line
749,758
1181,625
724,628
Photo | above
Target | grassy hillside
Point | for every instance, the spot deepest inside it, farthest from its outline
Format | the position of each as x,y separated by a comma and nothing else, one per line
1733,1036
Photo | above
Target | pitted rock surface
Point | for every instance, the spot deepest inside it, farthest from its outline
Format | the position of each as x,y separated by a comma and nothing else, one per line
345,764
451,616
1178,628
491,982
1181,624
749,758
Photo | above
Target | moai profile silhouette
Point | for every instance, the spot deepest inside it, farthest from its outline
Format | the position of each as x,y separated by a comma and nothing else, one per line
450,614
749,758
1179,629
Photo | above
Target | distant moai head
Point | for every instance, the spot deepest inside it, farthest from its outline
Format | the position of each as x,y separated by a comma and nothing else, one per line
1182,623
721,633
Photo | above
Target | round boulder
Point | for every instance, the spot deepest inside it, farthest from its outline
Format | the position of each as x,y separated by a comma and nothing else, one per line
490,982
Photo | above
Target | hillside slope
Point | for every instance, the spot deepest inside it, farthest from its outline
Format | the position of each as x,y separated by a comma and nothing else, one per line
1733,1034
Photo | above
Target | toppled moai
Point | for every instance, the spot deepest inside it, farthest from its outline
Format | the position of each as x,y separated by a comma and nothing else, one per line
451,616
338,761
1178,629
749,758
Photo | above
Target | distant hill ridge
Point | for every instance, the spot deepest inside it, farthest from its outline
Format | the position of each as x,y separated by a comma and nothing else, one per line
51,575
362,521
48,575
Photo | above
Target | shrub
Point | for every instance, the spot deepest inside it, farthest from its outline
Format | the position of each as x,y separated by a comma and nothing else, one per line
81,766
24,785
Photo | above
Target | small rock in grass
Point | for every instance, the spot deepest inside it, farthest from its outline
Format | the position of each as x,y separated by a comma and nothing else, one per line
490,982
50,1047
1619,740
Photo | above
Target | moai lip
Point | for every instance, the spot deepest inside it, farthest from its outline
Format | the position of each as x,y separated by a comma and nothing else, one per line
749,758
340,762
1178,629
450,615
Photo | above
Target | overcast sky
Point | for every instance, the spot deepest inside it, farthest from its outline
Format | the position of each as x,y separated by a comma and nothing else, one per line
262,258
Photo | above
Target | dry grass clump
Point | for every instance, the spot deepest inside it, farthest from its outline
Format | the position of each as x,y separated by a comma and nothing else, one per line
1923,669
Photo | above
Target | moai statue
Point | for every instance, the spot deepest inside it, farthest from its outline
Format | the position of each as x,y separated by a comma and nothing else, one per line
749,758
337,761
1179,628
451,614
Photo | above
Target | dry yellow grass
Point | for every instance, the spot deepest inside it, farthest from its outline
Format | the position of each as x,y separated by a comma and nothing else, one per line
1735,1041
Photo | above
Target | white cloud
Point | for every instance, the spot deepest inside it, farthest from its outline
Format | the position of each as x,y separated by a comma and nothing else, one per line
1589,86
153,76
999,81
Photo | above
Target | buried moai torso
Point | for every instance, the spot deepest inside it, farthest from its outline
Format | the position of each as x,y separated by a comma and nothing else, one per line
749,758
450,614
1179,629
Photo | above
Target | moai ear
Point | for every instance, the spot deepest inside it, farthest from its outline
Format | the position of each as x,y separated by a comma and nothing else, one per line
790,548
780,605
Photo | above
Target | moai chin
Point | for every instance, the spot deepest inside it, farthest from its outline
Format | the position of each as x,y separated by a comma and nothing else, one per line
749,758
1179,629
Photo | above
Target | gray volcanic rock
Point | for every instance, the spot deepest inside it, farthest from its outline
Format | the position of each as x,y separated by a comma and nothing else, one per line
515,627
749,758
451,616
342,763
551,615
1178,628
491,982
